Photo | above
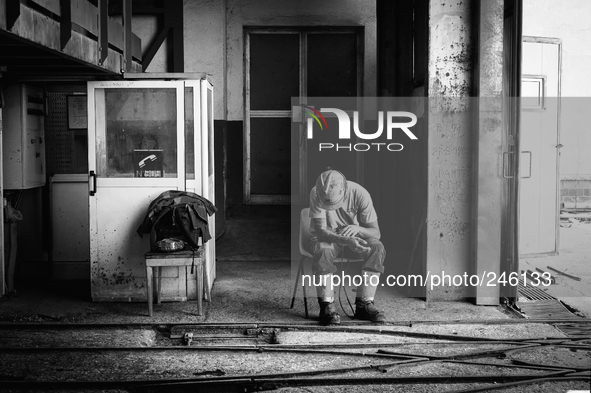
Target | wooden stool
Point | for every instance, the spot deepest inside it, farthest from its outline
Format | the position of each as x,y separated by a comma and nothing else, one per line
177,258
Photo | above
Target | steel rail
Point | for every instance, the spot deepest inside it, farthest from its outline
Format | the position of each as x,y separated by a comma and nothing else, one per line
409,323
340,329
256,382
265,346
522,383
382,368
398,333
575,346
387,344
531,366
550,340
565,343
316,348
564,274
195,348
524,363
491,352
270,383
586,373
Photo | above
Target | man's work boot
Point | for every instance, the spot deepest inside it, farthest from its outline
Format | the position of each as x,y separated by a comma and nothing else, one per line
325,292
367,311
328,314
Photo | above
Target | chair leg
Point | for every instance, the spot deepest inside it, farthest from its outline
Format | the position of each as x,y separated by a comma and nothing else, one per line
299,275
295,285
305,296
200,289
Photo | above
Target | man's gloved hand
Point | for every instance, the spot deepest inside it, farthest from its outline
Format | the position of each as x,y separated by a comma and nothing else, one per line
357,244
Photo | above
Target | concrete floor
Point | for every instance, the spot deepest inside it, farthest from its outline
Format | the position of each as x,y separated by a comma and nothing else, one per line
254,233
574,258
252,291
253,286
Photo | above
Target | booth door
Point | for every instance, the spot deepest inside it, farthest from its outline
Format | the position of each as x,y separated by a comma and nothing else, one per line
136,150
200,144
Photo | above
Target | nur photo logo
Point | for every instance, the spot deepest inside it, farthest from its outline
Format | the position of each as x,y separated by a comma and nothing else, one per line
352,125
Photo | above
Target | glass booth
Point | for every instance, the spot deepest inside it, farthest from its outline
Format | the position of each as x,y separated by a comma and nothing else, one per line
144,137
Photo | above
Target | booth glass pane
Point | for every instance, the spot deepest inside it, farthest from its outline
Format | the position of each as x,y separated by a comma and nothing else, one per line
141,132
189,134
210,129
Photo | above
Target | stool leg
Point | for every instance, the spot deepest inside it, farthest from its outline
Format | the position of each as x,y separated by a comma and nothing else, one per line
158,284
150,294
200,289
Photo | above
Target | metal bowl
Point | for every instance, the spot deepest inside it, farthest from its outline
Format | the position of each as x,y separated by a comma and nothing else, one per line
170,245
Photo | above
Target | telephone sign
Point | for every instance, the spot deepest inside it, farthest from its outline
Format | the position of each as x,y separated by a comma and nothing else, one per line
148,163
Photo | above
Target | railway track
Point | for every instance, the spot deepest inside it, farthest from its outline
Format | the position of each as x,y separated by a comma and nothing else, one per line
245,357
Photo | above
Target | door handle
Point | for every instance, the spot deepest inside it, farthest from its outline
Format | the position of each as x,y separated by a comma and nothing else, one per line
506,165
92,182
530,156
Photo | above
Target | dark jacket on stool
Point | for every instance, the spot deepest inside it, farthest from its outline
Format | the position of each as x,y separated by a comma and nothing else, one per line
180,214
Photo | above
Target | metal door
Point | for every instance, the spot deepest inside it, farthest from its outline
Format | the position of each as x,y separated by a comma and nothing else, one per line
208,175
199,141
539,146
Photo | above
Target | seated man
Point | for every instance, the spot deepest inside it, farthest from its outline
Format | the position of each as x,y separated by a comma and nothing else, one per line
343,215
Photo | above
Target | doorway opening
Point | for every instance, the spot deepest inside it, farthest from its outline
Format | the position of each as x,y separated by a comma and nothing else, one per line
555,146
281,64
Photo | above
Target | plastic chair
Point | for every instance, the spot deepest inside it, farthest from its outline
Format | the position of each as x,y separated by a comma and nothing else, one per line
304,240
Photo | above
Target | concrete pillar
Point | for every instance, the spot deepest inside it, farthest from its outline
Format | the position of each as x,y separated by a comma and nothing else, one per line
488,200
465,147
452,46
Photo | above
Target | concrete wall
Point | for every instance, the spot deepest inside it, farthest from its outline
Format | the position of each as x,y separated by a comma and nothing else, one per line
204,41
204,36
450,74
146,28
569,20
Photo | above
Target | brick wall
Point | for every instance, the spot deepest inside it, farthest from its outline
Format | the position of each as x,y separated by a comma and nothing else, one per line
575,193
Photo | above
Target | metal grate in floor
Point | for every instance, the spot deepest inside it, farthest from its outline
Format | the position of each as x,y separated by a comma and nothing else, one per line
532,292
546,309
538,304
